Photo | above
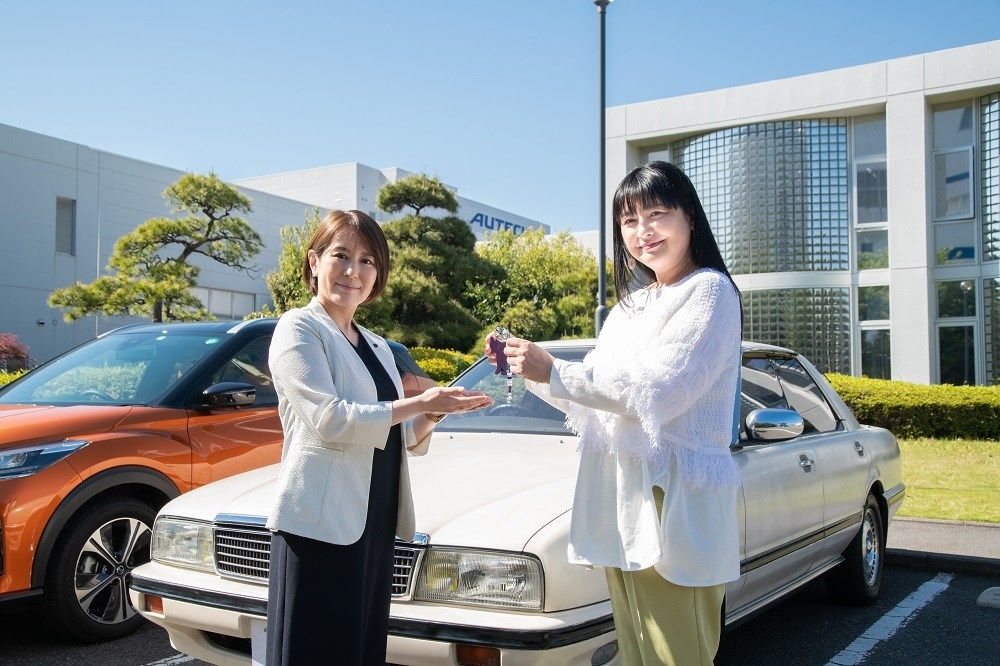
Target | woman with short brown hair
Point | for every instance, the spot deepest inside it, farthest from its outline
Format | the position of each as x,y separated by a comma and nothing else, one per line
343,491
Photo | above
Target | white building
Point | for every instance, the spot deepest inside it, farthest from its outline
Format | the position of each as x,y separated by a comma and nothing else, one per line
858,209
355,186
63,205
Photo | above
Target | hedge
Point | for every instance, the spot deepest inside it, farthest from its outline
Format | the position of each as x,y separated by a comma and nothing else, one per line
442,365
920,410
8,377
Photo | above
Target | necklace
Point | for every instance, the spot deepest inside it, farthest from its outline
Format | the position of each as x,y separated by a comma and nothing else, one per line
637,308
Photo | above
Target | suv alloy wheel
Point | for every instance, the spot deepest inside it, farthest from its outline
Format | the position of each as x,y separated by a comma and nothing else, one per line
86,591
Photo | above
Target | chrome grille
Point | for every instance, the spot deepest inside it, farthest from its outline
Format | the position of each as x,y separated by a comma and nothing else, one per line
404,563
244,552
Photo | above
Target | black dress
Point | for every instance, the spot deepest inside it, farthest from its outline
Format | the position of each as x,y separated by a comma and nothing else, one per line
327,603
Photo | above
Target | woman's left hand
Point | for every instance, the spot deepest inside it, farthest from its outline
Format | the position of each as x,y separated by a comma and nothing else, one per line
528,360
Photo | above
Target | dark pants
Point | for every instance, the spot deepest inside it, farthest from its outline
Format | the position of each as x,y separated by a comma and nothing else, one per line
329,604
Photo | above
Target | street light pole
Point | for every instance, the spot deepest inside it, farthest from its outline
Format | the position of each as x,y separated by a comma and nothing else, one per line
602,311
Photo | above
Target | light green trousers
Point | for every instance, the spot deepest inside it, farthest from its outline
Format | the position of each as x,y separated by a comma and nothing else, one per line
658,622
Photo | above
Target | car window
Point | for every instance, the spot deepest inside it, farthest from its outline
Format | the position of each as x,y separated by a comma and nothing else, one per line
249,365
523,411
124,368
804,396
759,389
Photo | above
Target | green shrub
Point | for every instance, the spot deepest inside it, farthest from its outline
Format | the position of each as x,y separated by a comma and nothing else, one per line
920,410
442,365
8,377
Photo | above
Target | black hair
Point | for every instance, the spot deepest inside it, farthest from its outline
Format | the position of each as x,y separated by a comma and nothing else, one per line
661,183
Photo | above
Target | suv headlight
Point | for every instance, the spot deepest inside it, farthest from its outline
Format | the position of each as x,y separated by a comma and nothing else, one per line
15,463
480,578
186,543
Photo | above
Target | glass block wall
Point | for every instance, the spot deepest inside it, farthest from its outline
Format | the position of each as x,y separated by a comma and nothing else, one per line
991,310
990,169
813,322
775,193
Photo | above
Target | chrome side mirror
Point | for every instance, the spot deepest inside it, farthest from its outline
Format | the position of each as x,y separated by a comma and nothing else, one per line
774,424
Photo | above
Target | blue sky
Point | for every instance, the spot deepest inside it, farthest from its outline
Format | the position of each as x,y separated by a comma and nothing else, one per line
496,98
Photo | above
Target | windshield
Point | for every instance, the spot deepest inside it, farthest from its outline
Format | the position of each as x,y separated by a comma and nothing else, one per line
121,369
524,412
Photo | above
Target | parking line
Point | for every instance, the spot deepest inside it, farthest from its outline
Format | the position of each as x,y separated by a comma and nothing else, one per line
170,661
891,622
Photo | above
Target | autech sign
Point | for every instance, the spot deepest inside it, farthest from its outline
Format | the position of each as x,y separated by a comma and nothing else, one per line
496,224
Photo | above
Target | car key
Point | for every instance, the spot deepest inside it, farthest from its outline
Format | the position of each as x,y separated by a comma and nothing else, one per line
497,343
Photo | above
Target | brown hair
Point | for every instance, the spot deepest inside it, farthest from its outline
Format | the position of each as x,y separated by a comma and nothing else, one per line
368,231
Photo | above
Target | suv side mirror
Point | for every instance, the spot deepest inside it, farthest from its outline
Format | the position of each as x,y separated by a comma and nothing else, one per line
774,424
228,394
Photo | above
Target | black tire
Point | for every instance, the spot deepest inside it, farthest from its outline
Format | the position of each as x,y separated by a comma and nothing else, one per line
857,579
97,552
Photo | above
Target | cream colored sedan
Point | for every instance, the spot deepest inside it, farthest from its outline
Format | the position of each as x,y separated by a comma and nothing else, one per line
486,581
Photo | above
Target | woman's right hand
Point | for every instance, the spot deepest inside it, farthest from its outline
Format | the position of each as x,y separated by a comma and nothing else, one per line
453,399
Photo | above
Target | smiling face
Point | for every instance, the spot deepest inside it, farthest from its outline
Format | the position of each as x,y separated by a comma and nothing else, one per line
659,238
345,270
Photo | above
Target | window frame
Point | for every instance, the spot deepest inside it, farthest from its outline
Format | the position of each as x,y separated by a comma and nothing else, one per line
970,152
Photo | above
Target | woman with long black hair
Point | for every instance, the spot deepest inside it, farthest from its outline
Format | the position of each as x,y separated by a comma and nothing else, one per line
654,406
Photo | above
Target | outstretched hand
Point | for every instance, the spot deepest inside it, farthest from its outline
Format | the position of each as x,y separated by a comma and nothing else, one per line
453,400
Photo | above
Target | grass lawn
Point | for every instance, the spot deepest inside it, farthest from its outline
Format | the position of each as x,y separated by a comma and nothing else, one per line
951,479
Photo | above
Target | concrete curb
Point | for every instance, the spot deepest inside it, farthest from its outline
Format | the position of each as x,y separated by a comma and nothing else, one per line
967,564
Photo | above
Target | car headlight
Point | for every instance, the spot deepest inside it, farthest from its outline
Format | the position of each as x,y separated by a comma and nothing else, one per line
186,543
26,461
480,578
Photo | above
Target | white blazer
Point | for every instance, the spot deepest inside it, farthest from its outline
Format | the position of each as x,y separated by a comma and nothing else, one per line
333,422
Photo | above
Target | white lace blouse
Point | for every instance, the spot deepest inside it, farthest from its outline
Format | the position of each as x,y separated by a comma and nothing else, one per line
653,404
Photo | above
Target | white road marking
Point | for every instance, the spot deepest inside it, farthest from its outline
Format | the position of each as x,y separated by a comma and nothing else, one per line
887,625
170,661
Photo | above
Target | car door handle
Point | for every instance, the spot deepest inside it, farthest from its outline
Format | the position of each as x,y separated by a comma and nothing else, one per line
860,449
806,463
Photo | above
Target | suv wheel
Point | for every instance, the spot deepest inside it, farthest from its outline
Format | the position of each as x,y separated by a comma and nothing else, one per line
86,590
858,578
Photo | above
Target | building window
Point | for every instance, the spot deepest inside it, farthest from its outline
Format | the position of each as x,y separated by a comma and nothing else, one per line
873,303
952,186
871,193
957,354
873,324
876,361
225,304
775,193
956,299
957,331
873,249
65,226
814,322
955,243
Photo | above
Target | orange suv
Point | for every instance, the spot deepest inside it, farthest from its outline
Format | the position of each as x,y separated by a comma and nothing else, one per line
94,442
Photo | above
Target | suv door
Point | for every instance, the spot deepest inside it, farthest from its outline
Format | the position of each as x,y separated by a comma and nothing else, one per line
230,441
783,493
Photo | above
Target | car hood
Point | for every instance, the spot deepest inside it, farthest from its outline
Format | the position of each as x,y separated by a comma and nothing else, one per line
486,490
29,424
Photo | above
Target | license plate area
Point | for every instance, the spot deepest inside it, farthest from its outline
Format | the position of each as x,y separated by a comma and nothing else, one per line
258,642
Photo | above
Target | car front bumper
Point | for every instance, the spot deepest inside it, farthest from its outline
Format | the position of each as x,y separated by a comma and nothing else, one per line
210,619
